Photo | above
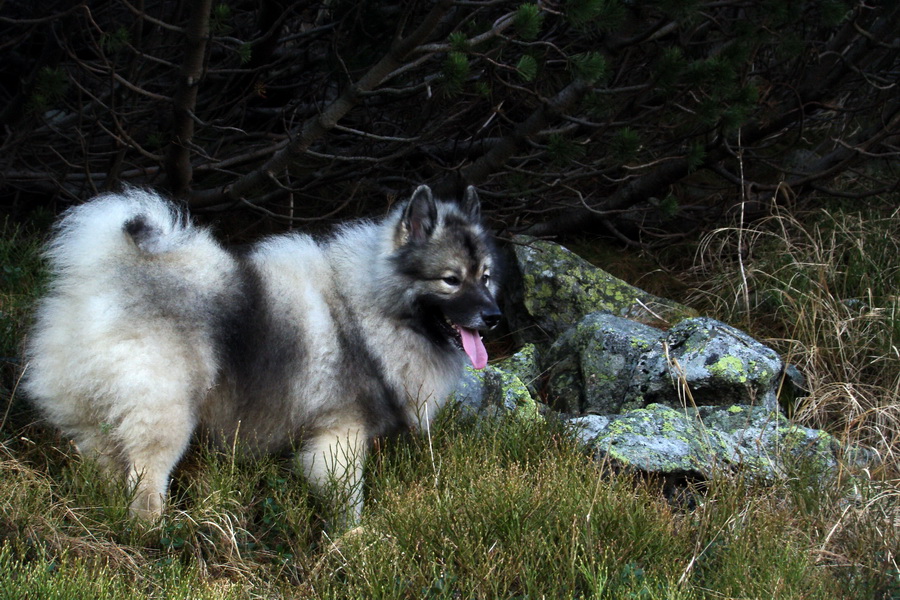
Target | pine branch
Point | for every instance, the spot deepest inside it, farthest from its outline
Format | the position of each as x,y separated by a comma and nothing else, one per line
478,172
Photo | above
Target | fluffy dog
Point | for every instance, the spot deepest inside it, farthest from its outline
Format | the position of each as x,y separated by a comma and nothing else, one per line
152,329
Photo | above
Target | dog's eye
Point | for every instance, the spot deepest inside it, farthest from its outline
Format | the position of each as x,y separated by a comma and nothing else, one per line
452,280
486,277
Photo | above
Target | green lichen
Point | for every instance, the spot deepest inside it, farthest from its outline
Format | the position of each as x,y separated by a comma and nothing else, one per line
517,394
640,344
523,364
730,368
523,360
620,427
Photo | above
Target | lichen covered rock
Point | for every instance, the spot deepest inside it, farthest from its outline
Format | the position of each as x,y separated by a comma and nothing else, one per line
657,388
493,391
592,365
723,365
525,365
558,288
606,364
700,441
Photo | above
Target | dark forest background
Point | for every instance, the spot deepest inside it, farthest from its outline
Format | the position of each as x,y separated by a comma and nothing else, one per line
639,119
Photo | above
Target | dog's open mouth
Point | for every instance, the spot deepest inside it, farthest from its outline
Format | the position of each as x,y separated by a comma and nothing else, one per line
469,341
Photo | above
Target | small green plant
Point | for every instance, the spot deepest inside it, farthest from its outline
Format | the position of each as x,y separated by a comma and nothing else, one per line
456,72
245,53
115,40
625,144
562,150
220,20
527,68
590,66
529,20
458,42
50,86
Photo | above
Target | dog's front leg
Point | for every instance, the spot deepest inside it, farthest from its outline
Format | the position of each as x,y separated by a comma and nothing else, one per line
332,461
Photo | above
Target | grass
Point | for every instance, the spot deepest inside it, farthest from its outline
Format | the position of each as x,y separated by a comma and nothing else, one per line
506,508
823,288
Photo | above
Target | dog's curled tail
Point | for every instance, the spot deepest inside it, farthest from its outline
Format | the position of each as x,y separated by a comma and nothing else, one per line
118,228
151,236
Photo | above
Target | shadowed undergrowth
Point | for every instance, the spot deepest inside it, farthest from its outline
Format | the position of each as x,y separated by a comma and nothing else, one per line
508,508
504,509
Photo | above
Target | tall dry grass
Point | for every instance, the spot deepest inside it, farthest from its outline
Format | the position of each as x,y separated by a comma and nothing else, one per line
823,288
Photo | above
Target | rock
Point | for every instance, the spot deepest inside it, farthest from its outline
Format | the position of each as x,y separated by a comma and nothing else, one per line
794,389
556,288
606,364
693,399
592,365
701,441
722,365
493,391
524,365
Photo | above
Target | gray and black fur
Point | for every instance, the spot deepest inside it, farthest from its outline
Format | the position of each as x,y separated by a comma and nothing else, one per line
152,329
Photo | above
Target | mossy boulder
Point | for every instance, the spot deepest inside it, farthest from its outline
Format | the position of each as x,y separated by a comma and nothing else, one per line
606,364
591,367
702,440
553,288
500,388
525,365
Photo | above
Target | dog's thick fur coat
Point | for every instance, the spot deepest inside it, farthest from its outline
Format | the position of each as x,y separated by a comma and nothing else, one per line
152,329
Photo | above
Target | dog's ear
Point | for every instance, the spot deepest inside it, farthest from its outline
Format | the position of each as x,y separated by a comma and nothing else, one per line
471,203
420,215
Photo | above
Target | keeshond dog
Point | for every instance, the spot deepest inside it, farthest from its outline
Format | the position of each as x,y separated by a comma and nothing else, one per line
152,329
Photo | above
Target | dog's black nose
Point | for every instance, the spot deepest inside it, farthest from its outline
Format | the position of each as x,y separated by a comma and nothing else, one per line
491,318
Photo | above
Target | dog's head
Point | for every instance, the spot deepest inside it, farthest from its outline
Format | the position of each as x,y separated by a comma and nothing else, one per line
448,259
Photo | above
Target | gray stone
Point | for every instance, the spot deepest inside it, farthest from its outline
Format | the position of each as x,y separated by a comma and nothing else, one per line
592,365
722,365
697,397
493,391
606,364
525,365
701,441
556,288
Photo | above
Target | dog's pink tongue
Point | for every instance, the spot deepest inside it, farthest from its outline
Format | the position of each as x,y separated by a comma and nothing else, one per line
473,346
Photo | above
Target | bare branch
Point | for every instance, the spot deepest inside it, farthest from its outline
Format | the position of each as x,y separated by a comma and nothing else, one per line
178,158
478,172
317,126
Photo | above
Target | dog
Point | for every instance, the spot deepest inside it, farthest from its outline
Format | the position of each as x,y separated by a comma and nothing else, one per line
152,330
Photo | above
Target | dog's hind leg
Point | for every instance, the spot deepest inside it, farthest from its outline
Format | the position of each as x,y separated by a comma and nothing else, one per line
152,444
332,461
